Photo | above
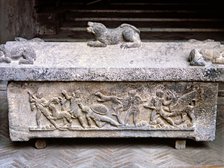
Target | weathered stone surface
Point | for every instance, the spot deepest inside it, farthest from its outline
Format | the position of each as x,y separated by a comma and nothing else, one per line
77,62
212,54
73,90
127,34
21,51
118,109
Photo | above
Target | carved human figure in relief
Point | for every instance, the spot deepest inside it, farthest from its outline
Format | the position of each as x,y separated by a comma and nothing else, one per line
160,109
170,111
52,111
184,107
131,105
65,100
98,114
73,107
40,104
125,33
37,102
58,114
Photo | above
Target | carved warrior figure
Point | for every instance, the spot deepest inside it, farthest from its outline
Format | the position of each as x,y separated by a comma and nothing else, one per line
168,111
37,102
40,104
128,34
50,110
203,56
57,114
160,110
67,108
73,108
131,105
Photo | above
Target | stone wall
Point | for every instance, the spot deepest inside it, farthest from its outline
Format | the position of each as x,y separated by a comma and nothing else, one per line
17,18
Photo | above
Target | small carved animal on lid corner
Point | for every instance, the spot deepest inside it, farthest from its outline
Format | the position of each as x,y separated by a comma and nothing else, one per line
24,53
21,51
125,33
205,56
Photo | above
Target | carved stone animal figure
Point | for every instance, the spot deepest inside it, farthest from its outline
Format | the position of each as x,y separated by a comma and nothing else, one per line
196,58
204,56
4,54
128,34
57,114
116,104
104,98
21,39
215,55
24,53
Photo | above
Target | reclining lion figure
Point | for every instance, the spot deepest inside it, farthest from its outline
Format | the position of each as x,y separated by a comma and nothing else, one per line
21,51
128,34
25,54
207,55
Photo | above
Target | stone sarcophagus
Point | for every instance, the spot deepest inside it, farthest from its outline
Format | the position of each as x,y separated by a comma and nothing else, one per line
102,109
72,90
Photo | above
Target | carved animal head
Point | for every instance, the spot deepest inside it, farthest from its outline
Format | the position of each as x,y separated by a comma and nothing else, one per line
96,28
196,58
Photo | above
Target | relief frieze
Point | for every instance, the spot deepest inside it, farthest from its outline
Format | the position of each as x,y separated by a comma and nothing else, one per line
137,107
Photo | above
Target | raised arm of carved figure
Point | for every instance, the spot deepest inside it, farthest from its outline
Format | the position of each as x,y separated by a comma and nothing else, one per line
65,94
